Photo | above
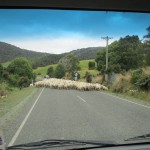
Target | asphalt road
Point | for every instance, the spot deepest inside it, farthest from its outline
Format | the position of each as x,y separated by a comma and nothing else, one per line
77,115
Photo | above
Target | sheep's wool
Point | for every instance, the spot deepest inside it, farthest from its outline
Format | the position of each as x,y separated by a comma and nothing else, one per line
68,84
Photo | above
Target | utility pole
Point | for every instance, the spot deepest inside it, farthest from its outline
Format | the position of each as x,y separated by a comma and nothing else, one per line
107,39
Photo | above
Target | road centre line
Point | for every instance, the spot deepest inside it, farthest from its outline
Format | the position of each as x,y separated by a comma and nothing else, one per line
24,121
81,98
123,99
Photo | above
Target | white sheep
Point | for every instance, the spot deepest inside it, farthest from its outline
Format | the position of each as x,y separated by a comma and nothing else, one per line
68,84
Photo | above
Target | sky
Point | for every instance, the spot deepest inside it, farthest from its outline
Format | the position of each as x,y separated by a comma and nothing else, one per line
59,31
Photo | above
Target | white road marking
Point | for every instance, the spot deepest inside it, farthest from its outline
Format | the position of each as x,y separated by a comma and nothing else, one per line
81,99
24,121
126,100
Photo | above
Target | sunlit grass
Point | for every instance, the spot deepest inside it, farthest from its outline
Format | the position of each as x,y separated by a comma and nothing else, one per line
83,68
42,71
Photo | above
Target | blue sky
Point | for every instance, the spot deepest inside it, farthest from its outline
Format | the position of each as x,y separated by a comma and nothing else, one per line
58,31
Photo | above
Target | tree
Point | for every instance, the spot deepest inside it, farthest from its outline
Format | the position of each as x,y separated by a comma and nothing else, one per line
91,65
123,55
70,63
1,70
50,71
21,67
101,60
147,46
59,71
130,52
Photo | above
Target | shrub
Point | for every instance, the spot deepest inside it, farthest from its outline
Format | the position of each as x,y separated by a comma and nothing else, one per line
78,68
89,78
91,65
50,71
23,82
34,76
3,86
59,71
21,67
5,74
135,75
144,82
122,84
13,80
3,89
78,76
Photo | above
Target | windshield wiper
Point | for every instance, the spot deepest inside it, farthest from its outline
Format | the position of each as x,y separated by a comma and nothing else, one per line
59,143
141,137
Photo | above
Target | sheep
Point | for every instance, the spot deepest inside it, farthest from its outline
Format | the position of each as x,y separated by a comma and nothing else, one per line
31,84
68,84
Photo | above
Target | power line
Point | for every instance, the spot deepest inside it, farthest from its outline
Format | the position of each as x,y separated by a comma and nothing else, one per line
107,40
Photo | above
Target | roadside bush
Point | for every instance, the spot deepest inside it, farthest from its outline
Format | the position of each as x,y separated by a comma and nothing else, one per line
59,71
115,68
144,82
50,71
13,80
135,75
34,76
91,65
78,68
89,78
5,74
3,89
78,76
20,66
23,82
122,84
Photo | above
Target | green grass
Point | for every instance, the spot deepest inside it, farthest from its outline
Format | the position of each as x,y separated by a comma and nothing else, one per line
84,68
93,72
43,70
83,65
14,97
6,63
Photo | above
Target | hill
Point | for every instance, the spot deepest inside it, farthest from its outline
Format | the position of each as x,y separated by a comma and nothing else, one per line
9,52
47,60
86,53
81,54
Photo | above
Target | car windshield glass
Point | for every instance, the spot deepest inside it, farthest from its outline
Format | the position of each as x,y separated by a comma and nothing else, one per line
74,75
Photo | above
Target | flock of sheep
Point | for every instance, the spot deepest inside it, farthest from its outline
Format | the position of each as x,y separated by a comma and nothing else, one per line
68,84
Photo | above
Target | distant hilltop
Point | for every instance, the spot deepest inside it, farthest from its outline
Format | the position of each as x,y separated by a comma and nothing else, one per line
9,52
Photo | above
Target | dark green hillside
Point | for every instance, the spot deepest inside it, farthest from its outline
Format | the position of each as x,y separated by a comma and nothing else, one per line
86,53
81,54
9,52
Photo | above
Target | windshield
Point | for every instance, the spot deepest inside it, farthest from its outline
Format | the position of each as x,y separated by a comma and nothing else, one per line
74,75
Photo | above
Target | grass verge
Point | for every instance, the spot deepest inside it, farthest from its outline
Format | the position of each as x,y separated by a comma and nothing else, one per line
14,98
138,96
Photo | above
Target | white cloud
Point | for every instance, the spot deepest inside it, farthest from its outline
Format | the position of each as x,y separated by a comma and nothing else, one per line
58,45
